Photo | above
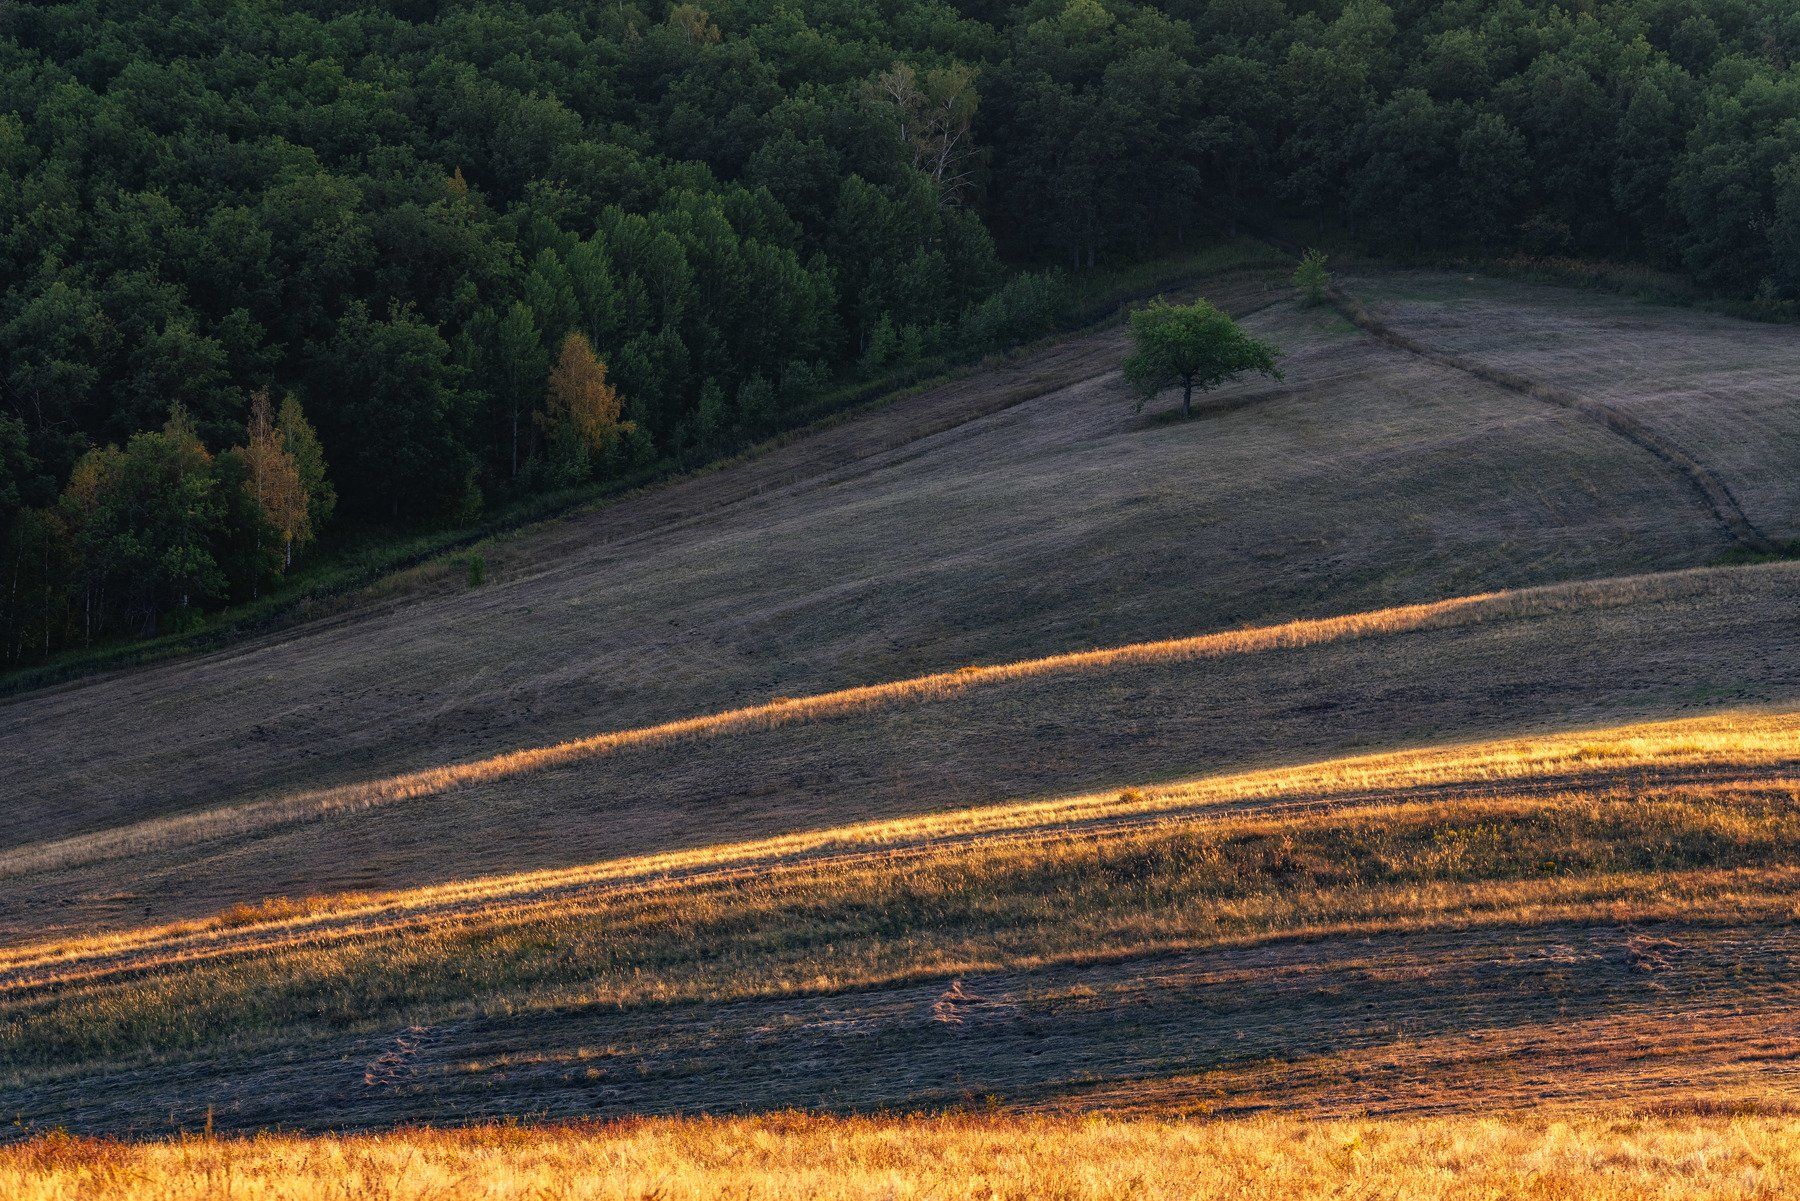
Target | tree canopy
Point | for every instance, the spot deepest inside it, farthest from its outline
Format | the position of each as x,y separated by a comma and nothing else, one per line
580,417
1195,347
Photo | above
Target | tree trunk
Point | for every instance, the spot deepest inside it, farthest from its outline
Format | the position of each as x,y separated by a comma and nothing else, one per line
1187,398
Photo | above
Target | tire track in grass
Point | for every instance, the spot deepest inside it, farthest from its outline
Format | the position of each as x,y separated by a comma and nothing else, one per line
1705,483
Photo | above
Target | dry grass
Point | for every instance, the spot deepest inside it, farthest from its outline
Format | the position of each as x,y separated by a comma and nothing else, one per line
1706,484
1687,823
1134,716
361,876
1717,389
239,820
1692,858
1591,1157
1738,746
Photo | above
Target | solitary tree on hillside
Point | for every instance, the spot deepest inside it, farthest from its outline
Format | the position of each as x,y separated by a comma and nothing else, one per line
1194,345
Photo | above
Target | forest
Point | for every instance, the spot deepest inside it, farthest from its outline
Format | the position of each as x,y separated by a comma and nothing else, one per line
268,268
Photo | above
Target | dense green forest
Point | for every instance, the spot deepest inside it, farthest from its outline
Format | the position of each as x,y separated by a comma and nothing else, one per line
462,251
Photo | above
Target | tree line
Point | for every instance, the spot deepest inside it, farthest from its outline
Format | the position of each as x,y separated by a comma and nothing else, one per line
411,217
147,535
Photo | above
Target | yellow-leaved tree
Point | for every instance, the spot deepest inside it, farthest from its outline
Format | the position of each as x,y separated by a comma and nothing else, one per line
580,419
274,479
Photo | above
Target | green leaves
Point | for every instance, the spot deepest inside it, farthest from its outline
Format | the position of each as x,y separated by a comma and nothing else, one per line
1195,346
1311,277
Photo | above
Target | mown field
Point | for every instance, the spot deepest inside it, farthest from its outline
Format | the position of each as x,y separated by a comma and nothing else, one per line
1488,925
1385,782
1134,716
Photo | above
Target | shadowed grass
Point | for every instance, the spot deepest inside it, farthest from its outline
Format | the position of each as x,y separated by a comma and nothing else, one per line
979,530
240,820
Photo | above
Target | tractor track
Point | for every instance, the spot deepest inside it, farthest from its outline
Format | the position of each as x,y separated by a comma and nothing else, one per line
1703,482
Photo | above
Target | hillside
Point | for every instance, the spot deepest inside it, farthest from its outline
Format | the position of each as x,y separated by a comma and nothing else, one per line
1016,513
630,600
1411,739
1132,716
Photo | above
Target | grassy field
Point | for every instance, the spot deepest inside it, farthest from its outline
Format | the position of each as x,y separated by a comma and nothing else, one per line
1382,932
1714,395
1318,790
783,1157
1134,716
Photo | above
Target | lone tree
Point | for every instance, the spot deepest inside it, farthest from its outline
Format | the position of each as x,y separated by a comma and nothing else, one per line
1194,345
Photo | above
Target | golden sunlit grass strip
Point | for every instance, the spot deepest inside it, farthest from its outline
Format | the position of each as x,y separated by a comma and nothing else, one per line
1573,1156
1689,853
240,819
1752,745
1748,745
